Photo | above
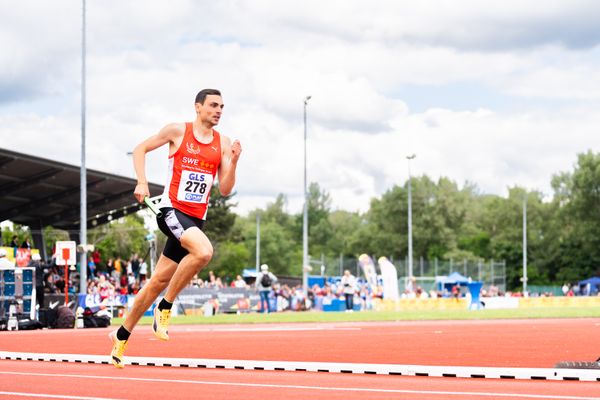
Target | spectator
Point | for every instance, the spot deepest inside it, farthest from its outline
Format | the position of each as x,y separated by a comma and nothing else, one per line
118,268
239,282
105,289
59,283
91,267
456,292
298,299
218,283
131,283
15,241
26,244
283,294
123,282
36,262
110,267
143,270
4,262
349,287
135,265
197,282
264,283
49,278
212,280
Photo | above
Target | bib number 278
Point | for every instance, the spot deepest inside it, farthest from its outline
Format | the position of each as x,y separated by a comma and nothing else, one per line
194,187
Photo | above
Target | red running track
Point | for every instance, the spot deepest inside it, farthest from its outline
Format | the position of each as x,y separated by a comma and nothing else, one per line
500,343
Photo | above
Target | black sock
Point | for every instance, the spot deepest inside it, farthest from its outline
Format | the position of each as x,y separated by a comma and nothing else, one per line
164,305
123,334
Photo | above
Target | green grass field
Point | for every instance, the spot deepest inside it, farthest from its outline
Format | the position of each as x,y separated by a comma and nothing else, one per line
415,315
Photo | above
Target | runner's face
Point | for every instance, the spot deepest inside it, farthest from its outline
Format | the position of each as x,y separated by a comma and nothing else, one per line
211,110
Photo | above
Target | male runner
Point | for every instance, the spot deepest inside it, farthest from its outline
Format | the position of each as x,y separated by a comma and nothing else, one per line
196,153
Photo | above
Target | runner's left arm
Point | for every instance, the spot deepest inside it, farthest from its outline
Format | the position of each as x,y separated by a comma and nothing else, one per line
229,160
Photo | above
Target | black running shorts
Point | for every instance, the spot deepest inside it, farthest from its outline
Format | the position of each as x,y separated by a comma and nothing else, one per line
173,223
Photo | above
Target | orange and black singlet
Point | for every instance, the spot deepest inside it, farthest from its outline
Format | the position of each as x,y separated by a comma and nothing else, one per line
191,173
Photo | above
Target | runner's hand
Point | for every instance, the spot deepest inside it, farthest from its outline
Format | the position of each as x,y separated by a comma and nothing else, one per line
141,191
236,150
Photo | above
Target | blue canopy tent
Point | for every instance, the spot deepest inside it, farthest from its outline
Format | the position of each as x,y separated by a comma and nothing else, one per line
447,282
589,286
249,273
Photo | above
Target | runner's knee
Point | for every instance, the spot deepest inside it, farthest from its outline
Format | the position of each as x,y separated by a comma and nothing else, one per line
202,255
158,283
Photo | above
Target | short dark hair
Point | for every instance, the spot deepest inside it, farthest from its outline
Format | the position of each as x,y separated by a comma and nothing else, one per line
201,96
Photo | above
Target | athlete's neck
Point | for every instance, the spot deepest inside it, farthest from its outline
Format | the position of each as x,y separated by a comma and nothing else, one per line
202,131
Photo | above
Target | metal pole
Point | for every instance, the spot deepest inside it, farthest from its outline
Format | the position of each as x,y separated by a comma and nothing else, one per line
410,244
305,214
524,244
82,173
152,255
257,241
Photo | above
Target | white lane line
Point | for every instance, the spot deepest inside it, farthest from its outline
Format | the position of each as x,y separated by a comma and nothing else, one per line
270,329
555,374
52,396
303,387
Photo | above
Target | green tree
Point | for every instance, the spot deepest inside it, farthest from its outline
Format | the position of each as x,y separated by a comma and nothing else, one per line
220,220
229,260
576,246
123,237
278,248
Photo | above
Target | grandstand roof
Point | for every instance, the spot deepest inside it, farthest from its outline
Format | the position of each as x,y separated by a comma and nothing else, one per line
39,192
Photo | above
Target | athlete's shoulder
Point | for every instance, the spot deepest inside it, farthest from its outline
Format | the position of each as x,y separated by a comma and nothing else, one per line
174,128
225,140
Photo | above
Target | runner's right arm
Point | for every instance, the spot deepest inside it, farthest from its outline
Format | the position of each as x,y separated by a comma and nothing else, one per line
169,134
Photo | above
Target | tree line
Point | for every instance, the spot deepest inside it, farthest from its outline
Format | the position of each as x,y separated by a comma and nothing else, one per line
449,222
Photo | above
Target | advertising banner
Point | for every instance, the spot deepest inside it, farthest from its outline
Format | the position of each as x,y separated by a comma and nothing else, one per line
226,300
94,302
368,268
55,300
23,256
390,279
13,252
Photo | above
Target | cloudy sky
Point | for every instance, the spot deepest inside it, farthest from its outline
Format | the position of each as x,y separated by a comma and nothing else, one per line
495,93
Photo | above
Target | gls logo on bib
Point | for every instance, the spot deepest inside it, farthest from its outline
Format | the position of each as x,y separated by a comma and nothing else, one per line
194,187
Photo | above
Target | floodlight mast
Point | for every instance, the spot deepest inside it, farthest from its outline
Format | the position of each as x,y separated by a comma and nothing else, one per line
410,243
305,214
525,244
82,173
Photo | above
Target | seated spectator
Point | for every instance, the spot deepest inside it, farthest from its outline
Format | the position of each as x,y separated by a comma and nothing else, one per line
218,283
211,282
239,282
105,289
196,282
92,289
